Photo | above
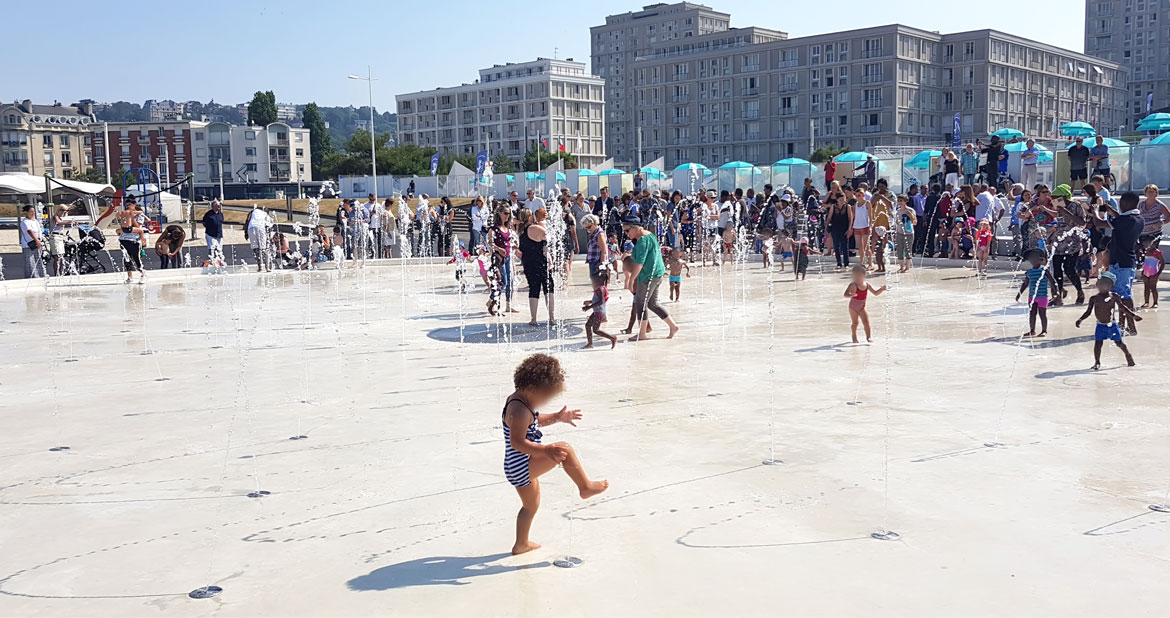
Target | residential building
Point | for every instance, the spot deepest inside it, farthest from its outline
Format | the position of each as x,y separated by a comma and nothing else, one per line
508,109
163,111
45,139
759,96
254,160
287,112
1136,34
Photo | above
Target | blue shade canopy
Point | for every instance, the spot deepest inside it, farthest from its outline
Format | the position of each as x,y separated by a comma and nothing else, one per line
531,176
691,166
509,178
792,161
586,173
1109,141
852,157
1077,129
612,172
1162,140
560,176
653,172
1045,154
1154,125
1008,133
737,165
1160,116
922,159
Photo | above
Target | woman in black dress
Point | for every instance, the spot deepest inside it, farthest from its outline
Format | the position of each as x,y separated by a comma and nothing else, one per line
534,259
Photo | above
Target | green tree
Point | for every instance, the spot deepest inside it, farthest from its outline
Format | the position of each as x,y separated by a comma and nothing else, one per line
319,142
501,164
446,160
531,164
824,153
90,174
262,109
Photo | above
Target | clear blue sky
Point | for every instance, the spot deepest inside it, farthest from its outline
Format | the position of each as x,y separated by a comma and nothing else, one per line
303,50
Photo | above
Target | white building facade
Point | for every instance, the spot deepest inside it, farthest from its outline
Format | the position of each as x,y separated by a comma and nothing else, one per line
509,110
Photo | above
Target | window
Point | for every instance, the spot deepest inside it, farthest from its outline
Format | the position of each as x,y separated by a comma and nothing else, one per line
249,135
178,149
843,76
249,152
199,137
249,167
66,158
125,151
47,141
64,141
300,152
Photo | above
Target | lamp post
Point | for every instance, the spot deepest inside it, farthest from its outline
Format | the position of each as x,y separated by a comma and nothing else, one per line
369,79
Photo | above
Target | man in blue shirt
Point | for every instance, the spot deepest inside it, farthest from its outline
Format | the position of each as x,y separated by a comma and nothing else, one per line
1029,158
1099,155
213,233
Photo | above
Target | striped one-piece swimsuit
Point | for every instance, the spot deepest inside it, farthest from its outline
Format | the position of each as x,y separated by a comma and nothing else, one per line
515,462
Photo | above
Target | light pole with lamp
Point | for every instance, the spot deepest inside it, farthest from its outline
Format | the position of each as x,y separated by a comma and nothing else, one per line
369,79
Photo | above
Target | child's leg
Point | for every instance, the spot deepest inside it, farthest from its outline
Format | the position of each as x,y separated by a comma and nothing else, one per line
1032,319
1125,350
1043,320
853,319
864,315
589,326
572,466
1097,354
612,339
530,503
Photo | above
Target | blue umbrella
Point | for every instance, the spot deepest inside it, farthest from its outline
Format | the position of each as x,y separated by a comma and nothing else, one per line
1077,129
560,176
531,176
612,172
1008,133
791,161
1045,154
852,157
691,166
1109,141
586,173
922,159
737,165
509,178
1162,140
653,172
1154,124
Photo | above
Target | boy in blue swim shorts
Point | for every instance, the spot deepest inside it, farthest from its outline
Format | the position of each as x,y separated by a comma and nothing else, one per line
1103,304
675,265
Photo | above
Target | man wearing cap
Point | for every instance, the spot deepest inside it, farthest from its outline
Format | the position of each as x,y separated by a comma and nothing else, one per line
646,277
213,233
1068,242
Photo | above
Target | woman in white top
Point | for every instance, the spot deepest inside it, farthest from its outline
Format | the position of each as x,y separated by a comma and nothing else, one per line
861,221
389,228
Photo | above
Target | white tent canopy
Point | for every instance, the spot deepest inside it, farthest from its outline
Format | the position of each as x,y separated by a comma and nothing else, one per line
27,184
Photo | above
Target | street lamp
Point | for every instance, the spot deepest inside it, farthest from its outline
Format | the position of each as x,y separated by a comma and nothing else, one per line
369,79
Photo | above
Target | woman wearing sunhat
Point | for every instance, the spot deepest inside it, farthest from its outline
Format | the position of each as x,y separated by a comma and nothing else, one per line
1068,238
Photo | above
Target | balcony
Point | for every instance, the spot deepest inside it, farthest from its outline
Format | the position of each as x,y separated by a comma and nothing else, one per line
750,113
787,133
787,111
788,87
748,92
871,103
680,120
871,128
750,68
680,98
279,141
279,158
872,78
143,140
788,63
871,53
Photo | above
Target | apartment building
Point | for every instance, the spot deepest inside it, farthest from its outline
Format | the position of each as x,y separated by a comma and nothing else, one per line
252,159
1136,34
164,111
508,109
757,95
45,139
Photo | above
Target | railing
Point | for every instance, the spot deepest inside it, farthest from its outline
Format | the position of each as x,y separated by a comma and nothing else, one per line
680,98
871,53
751,137
787,111
750,113
871,78
871,103
680,120
871,128
747,92
787,133
783,64
788,87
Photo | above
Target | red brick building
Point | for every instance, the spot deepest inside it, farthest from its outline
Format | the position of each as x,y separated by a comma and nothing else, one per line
165,147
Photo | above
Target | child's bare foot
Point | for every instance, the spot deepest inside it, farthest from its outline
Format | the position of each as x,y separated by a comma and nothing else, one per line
523,548
587,346
592,489
626,331
855,340
869,339
612,342
1131,363
1096,366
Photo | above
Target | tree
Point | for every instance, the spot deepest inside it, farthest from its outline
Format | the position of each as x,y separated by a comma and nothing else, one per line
446,160
501,164
530,162
319,142
824,153
262,109
90,174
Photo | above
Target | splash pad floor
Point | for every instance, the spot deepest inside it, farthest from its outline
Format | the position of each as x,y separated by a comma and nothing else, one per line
394,500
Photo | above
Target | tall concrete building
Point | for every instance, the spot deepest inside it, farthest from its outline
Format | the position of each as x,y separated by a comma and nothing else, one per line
1136,34
756,95
45,139
508,109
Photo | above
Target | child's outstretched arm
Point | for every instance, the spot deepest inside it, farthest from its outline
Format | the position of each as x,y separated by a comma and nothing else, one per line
877,292
1123,309
1088,311
850,291
566,416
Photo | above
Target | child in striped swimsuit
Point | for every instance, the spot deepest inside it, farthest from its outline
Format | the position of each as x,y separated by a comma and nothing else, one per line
538,380
1036,280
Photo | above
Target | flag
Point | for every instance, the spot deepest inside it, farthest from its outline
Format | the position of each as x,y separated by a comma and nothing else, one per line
544,142
957,134
434,163
563,146
1149,102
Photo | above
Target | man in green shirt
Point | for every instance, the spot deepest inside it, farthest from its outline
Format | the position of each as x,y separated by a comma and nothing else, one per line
646,276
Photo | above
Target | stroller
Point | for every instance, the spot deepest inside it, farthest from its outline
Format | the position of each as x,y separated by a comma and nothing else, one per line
81,256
